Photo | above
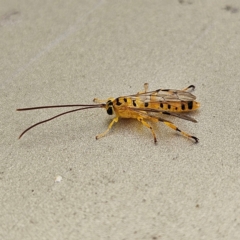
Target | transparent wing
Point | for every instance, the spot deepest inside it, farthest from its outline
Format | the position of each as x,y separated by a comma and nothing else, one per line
164,95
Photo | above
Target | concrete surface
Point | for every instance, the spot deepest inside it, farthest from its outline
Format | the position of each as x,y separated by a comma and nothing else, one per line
58,182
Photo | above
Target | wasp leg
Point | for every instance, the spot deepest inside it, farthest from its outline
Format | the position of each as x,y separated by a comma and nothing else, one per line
115,120
96,100
171,125
140,119
145,88
189,88
146,85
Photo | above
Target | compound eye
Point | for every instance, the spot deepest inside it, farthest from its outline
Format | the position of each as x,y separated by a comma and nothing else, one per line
110,110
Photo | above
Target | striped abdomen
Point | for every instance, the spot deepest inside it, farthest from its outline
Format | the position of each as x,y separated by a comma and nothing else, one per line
178,106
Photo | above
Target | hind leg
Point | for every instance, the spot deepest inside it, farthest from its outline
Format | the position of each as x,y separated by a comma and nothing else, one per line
174,127
189,88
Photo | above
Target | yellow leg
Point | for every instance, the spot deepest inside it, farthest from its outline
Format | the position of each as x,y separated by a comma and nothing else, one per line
145,88
140,119
171,125
96,100
115,120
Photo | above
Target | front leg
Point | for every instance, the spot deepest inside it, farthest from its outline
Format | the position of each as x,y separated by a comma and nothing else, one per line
115,120
96,100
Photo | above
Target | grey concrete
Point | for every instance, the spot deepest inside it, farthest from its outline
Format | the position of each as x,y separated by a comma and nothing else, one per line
121,186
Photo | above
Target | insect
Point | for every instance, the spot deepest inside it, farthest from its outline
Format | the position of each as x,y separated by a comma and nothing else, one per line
144,106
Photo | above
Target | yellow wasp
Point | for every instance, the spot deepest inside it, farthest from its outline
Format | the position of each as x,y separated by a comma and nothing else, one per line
144,106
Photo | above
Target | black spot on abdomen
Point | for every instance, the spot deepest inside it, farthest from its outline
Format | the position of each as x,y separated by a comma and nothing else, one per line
190,105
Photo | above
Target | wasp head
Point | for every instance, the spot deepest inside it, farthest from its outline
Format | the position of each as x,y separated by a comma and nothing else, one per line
109,106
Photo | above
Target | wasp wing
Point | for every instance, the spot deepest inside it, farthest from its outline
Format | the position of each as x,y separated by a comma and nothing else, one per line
169,96
164,95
